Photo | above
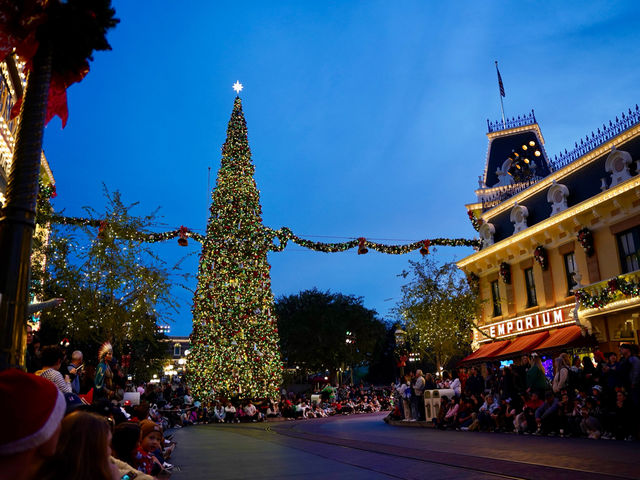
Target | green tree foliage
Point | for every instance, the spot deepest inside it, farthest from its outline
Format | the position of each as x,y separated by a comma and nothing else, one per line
313,328
114,288
438,309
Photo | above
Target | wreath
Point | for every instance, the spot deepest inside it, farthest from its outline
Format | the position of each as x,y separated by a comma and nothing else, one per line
540,255
505,273
585,237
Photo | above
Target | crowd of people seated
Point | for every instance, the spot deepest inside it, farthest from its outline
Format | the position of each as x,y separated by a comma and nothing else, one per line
580,397
343,400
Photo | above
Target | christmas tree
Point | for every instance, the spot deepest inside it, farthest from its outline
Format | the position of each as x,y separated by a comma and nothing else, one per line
234,343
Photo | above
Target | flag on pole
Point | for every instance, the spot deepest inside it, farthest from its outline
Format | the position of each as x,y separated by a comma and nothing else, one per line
500,84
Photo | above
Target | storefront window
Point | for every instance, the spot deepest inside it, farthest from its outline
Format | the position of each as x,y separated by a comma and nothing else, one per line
570,269
532,300
495,295
629,246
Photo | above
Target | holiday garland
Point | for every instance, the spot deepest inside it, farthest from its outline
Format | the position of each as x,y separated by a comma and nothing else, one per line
475,221
283,235
616,289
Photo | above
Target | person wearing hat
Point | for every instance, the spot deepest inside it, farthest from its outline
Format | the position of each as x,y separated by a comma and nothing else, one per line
104,375
27,440
150,441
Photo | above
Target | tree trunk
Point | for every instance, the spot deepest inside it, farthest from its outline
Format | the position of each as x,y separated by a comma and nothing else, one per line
17,218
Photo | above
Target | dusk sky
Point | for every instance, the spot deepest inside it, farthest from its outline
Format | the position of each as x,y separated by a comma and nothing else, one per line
364,118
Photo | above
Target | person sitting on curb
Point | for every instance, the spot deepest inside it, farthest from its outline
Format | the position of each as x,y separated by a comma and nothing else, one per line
547,415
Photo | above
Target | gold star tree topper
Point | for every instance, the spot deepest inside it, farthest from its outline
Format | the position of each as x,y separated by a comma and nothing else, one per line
237,87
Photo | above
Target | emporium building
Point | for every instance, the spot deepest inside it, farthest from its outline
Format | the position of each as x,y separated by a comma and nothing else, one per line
559,264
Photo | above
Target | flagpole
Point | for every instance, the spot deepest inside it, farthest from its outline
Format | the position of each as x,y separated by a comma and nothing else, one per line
504,123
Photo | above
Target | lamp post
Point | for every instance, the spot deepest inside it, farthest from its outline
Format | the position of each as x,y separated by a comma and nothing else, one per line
350,340
400,340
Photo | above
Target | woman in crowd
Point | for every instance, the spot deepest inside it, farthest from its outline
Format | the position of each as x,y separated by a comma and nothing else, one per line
83,451
51,359
536,379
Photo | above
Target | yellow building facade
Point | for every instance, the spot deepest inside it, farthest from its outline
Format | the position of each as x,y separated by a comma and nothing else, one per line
12,83
558,267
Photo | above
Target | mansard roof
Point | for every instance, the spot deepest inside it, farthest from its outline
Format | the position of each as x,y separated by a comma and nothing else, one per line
583,171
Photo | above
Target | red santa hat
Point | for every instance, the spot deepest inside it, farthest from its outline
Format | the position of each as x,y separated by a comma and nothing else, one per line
32,409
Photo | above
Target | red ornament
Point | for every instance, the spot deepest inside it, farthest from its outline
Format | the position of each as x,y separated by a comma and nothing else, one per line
362,248
425,247
182,236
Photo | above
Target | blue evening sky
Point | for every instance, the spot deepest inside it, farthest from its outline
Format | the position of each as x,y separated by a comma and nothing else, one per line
365,118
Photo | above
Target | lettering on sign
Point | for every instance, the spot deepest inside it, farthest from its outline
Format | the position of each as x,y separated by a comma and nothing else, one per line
528,323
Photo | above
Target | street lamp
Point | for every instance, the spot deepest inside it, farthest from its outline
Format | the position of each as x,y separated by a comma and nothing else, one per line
400,341
350,340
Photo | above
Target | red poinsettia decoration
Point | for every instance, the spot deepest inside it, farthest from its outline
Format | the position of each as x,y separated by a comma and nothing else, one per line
505,272
540,255
585,237
71,30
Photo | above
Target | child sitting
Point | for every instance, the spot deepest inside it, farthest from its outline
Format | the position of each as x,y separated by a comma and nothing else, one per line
150,442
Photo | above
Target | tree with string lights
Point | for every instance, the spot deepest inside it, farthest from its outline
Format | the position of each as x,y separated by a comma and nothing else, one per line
114,286
234,343
438,308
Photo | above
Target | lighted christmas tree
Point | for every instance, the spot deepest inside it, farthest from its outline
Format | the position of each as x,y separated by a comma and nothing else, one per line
234,343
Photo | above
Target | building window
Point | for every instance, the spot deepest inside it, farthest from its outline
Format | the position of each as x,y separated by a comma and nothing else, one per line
495,296
570,269
177,350
532,300
629,247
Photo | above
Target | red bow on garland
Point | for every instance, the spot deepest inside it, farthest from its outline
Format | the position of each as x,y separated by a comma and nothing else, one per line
425,247
362,248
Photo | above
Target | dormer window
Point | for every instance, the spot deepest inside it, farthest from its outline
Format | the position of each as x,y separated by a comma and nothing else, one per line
557,197
617,164
519,216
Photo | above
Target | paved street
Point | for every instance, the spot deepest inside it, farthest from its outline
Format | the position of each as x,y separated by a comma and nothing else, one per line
364,447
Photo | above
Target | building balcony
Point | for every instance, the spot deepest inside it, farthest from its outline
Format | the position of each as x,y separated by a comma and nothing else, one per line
610,295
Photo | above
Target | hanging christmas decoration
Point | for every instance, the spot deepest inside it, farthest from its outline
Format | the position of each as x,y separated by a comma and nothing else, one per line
617,288
585,237
424,250
476,222
473,281
71,30
362,248
182,236
505,273
540,256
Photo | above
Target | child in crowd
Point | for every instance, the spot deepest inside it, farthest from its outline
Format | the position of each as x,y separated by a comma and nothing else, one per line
150,443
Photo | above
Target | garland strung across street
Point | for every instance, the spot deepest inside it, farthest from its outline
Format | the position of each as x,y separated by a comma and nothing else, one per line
283,235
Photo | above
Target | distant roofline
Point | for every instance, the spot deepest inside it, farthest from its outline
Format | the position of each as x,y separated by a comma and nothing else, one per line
601,137
589,143
513,122
558,175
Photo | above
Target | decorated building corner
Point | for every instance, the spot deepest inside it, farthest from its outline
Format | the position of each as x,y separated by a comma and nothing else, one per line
558,266
234,343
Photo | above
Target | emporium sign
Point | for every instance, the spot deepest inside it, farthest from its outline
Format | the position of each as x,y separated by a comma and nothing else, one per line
556,317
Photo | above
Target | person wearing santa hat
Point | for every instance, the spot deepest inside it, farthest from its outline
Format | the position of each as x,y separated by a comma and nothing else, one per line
32,409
